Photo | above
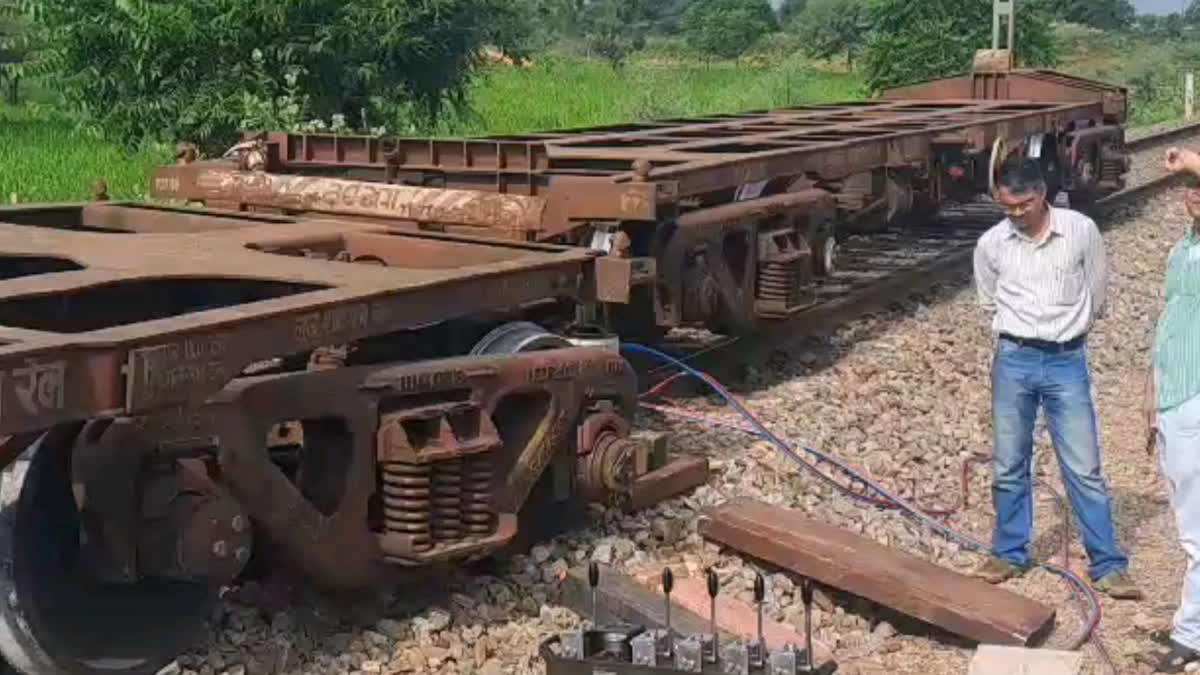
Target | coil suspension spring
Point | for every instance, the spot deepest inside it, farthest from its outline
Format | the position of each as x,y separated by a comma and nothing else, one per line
1112,168
477,495
779,281
407,501
447,499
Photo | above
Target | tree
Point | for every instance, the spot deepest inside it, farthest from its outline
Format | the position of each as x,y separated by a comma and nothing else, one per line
831,27
914,41
1103,14
1168,26
666,16
790,10
203,69
1171,26
615,28
726,28
1191,16
1147,24
15,48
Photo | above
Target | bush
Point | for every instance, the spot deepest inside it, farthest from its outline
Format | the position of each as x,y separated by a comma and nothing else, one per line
1103,14
726,28
914,41
832,27
614,29
203,69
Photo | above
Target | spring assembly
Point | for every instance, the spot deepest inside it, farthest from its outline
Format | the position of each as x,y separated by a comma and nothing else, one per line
447,500
407,501
477,492
779,281
1111,169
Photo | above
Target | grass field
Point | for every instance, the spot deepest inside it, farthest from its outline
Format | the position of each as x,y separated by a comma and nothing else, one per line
1153,69
559,93
42,158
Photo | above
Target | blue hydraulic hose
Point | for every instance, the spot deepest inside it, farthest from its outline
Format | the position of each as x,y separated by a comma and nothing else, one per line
909,509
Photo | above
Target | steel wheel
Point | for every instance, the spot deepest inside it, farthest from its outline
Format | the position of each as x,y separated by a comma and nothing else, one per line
53,619
516,337
1000,152
826,256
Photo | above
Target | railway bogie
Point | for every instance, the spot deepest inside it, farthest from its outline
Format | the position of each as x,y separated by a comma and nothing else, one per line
185,391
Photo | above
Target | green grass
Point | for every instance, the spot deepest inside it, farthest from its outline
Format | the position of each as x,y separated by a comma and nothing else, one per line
44,159
1152,68
556,93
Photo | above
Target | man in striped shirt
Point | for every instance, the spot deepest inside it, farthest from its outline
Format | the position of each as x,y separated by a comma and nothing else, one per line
1173,413
1041,273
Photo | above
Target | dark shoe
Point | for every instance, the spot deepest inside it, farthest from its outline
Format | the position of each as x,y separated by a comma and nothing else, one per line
1172,660
1119,586
998,570
1162,636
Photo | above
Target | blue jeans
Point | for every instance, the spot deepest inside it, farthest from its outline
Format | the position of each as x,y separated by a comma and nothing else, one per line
1023,378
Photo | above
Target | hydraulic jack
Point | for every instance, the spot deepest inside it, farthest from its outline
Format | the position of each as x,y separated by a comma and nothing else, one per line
624,649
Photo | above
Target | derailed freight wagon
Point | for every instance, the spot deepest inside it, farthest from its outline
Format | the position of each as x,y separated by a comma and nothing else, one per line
358,383
731,219
183,392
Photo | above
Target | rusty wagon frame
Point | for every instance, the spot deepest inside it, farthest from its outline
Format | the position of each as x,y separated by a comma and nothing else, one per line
194,387
733,217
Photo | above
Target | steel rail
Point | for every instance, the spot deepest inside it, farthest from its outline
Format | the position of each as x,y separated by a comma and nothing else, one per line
1165,136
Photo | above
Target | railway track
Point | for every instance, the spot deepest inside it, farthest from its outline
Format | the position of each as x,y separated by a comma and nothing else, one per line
1141,143
876,270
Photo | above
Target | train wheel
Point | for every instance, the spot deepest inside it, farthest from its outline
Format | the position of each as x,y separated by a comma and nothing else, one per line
53,618
1000,152
825,255
1044,148
516,337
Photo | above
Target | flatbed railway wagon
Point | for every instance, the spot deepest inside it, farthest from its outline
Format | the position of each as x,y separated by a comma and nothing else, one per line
732,219
184,392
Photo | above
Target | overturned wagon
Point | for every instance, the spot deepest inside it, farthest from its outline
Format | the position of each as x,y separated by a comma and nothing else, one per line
183,392
730,219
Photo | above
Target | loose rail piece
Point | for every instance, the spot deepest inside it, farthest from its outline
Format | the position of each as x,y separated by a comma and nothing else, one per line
830,555
619,598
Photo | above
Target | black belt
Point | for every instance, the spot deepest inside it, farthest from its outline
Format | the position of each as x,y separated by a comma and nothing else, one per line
1046,345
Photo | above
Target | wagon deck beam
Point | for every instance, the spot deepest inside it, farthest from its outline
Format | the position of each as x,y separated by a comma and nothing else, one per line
122,310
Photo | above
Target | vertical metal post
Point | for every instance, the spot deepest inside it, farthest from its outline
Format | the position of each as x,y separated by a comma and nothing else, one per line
1005,9
1189,95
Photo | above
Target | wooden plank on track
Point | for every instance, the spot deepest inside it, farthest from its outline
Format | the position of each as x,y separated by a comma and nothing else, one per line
955,602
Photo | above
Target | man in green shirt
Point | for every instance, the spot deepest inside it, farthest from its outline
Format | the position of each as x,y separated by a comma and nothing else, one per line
1172,408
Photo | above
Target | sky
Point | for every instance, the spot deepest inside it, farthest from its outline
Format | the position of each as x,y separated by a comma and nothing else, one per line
1144,6
1159,6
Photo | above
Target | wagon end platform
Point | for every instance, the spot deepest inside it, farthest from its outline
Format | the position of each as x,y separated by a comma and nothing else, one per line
108,308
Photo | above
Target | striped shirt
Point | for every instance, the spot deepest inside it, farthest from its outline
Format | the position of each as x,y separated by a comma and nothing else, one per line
1049,290
1177,339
